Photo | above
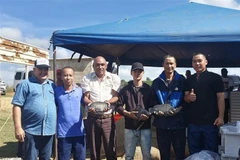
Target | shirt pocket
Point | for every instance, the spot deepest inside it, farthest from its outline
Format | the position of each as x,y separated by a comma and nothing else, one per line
51,91
107,87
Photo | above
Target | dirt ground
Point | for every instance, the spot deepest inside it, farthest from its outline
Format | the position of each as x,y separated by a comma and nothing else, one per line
5,105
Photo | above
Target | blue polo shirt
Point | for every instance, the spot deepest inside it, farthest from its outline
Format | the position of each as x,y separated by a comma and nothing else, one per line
38,107
70,120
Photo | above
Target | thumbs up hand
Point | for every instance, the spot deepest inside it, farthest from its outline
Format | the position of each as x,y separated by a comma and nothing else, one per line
192,96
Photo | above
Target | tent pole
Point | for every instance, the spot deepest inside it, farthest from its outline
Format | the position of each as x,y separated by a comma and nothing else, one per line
55,155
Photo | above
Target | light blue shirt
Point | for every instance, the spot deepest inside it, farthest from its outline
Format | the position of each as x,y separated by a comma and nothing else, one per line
37,105
70,120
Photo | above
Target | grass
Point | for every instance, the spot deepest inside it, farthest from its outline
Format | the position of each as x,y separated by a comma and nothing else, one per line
8,143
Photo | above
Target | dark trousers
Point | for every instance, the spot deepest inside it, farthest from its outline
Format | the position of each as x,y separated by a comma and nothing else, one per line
202,137
101,129
75,145
35,146
20,151
176,138
226,112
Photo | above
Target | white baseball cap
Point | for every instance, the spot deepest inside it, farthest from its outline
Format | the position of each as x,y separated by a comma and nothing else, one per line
42,62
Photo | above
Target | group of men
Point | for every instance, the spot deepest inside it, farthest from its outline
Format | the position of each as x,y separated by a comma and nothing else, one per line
39,107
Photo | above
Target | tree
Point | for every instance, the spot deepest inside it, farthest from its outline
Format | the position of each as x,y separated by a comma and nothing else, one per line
123,83
148,81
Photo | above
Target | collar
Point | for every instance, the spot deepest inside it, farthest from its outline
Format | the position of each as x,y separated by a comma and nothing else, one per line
107,75
132,85
33,79
195,74
73,89
176,76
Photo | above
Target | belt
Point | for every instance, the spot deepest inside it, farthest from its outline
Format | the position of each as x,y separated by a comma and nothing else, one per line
100,116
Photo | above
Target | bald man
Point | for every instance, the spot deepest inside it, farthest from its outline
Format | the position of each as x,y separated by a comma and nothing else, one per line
101,86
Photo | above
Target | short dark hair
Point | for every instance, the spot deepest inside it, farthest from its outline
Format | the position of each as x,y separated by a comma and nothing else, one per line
199,53
67,67
169,56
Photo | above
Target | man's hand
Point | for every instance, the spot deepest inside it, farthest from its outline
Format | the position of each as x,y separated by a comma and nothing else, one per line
130,114
192,96
143,117
108,104
19,134
219,122
159,113
90,109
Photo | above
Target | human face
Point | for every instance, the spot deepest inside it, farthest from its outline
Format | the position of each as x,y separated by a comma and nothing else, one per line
59,76
67,76
41,73
199,63
169,65
137,74
100,66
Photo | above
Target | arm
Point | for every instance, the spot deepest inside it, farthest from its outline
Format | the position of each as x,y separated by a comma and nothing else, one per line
221,107
19,132
86,98
87,101
114,98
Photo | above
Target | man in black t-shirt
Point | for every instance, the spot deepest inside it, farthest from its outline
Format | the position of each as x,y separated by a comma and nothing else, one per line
204,91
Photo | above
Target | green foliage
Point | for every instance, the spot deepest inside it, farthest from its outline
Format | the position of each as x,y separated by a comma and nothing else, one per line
148,81
123,83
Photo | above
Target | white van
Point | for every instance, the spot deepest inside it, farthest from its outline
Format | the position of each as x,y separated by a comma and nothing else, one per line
19,76
2,88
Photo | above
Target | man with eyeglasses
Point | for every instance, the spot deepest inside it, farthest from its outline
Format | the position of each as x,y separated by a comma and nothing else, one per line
34,112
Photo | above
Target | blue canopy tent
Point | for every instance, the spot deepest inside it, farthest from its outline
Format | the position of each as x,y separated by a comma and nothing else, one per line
180,32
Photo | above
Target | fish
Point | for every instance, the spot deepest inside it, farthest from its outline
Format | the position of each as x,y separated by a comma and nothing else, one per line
164,109
99,107
139,110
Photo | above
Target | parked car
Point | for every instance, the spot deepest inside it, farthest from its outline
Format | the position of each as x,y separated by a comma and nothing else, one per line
19,76
2,88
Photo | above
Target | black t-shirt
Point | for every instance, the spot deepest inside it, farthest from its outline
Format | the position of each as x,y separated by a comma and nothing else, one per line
205,109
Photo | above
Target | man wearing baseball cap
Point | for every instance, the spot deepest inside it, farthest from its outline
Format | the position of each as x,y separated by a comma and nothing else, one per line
136,96
34,112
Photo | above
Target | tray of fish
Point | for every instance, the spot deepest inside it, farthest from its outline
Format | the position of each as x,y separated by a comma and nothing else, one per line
99,107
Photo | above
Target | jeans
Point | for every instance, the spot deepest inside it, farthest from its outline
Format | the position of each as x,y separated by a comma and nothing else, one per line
202,137
67,145
176,138
37,146
132,137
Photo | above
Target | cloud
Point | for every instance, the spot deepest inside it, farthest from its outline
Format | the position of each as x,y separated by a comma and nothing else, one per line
63,53
13,22
40,42
233,4
11,33
16,34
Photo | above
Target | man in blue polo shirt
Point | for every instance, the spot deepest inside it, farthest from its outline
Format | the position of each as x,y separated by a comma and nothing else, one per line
34,112
70,127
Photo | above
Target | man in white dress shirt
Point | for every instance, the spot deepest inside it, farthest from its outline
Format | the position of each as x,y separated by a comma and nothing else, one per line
101,86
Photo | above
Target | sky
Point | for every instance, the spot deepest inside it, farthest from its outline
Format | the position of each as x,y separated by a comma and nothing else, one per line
34,21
